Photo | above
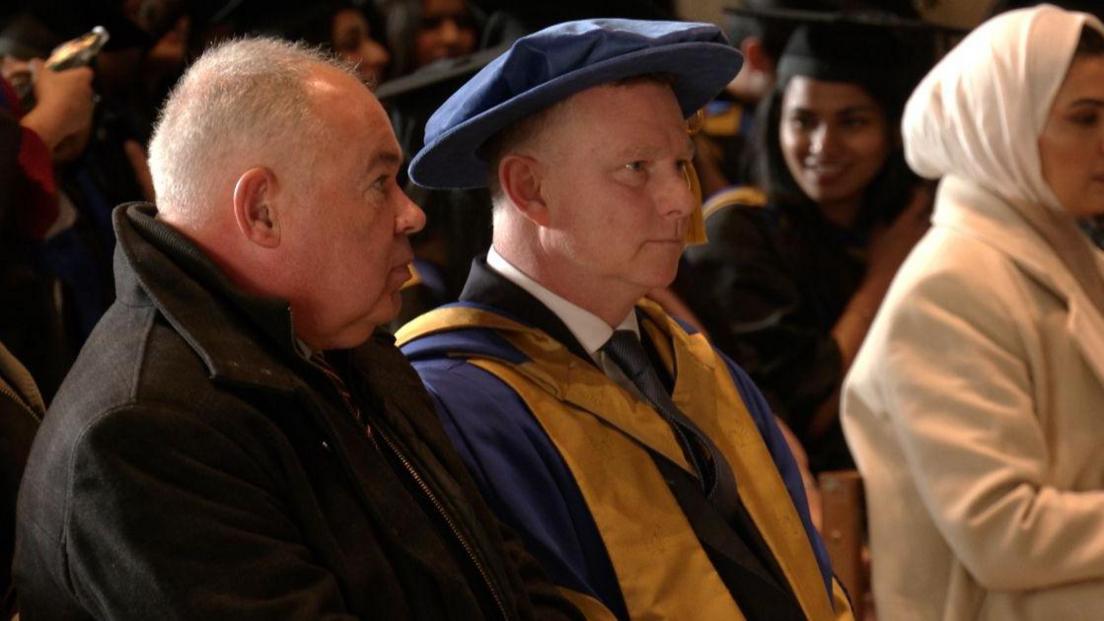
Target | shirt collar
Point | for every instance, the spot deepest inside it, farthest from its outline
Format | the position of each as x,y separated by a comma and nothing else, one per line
589,329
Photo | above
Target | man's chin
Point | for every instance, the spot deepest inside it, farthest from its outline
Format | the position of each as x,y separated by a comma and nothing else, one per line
388,310
647,285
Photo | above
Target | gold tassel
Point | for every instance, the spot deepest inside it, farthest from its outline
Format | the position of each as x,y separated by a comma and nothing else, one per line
695,229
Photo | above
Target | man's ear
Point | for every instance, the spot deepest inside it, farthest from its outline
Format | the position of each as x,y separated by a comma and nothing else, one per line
520,177
255,208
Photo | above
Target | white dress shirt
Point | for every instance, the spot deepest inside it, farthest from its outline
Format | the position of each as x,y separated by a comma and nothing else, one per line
591,331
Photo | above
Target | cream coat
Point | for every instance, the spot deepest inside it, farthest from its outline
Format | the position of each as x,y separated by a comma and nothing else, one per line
975,412
975,409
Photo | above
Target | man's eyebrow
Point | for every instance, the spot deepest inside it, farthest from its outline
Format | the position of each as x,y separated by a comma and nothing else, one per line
637,152
385,158
649,152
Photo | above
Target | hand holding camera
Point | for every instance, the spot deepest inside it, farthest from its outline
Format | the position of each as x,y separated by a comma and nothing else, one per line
63,109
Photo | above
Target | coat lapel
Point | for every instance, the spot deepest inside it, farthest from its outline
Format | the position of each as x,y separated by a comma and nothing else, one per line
559,372
584,386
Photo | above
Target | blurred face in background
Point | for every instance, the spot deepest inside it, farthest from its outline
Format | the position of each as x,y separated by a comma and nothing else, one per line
447,30
835,140
352,39
1071,145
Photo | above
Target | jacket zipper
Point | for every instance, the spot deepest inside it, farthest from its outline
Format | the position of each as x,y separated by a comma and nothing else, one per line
346,398
420,482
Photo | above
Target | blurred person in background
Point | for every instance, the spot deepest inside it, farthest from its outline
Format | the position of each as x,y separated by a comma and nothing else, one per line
33,143
355,33
725,149
97,169
352,30
789,288
974,407
421,32
29,316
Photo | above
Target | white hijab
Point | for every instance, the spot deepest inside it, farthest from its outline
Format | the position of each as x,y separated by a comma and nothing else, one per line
978,114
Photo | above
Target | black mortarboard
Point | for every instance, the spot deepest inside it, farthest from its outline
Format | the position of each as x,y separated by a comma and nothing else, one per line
897,17
876,58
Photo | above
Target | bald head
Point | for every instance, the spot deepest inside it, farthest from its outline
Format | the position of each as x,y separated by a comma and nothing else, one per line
244,103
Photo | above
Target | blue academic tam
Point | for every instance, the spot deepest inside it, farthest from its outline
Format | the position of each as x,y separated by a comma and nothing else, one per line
548,66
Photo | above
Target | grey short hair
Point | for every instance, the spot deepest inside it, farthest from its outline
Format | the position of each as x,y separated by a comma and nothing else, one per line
243,96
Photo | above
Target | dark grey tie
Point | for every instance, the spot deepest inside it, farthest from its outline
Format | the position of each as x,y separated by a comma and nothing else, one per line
626,350
734,545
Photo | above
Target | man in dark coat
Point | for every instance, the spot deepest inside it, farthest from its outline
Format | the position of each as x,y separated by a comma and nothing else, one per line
236,441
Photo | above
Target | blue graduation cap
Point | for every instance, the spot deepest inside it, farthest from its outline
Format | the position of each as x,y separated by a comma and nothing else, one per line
549,66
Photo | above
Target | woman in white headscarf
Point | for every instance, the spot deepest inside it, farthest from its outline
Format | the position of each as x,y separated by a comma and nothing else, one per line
975,410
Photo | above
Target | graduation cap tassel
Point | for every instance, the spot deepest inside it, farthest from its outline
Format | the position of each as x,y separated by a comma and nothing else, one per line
695,229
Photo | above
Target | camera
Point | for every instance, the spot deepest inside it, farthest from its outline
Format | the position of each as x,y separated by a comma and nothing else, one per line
78,52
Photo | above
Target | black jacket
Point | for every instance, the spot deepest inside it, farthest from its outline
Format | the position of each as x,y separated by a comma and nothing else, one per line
194,465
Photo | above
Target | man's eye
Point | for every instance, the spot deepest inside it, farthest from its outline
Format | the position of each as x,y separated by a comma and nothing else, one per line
637,166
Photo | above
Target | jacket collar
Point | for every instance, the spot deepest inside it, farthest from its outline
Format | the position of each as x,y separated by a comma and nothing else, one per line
235,334
487,288
1073,271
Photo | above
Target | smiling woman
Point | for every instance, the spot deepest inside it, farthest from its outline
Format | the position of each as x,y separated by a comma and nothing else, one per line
789,290
835,141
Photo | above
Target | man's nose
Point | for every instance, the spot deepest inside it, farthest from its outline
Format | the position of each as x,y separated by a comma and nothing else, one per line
410,218
676,198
